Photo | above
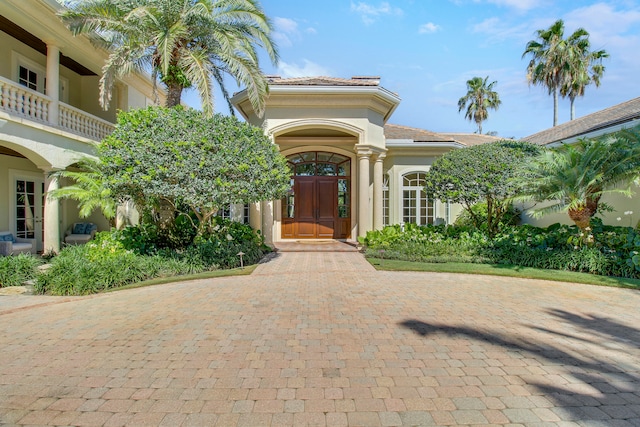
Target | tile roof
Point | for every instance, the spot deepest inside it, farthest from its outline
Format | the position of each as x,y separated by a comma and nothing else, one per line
392,132
417,135
324,81
469,139
615,115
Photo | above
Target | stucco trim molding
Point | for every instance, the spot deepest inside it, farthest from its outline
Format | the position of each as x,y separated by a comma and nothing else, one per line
316,124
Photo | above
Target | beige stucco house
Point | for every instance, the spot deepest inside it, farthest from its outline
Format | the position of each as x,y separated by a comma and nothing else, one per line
49,116
625,115
352,170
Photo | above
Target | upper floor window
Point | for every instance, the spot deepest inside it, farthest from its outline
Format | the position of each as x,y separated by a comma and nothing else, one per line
27,77
32,75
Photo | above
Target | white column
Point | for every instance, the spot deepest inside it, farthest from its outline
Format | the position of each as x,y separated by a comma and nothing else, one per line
267,222
51,215
53,81
363,193
378,170
255,216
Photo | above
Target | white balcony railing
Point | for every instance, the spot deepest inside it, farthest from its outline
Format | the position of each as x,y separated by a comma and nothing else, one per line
18,100
77,121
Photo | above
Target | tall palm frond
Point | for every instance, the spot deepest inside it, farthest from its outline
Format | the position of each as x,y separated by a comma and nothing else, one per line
548,65
480,97
88,189
185,43
564,66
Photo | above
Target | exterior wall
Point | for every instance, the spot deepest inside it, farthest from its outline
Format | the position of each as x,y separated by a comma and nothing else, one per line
90,96
136,99
619,202
353,122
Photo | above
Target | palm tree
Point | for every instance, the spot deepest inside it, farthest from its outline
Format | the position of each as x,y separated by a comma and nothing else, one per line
184,43
479,99
550,64
89,189
573,177
585,67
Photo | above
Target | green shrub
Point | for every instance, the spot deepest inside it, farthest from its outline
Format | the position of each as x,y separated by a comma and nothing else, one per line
17,269
118,258
511,217
220,247
102,264
608,250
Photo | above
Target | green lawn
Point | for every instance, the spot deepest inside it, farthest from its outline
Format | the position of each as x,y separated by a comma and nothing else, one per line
505,270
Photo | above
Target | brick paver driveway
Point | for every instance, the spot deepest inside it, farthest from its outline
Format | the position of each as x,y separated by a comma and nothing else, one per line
323,339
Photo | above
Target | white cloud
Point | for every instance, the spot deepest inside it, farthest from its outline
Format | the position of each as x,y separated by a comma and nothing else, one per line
285,25
614,30
602,21
497,30
286,31
370,13
520,5
428,28
308,69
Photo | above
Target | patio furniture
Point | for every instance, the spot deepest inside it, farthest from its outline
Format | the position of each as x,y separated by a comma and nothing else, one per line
80,233
12,245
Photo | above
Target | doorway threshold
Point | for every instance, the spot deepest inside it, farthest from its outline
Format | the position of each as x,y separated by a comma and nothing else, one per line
316,245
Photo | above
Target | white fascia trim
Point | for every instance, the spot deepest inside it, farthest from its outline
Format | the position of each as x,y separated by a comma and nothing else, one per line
386,94
596,133
408,143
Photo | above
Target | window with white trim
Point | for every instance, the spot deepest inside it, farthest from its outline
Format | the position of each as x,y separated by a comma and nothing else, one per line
385,200
231,212
447,212
417,208
31,74
28,78
225,212
246,210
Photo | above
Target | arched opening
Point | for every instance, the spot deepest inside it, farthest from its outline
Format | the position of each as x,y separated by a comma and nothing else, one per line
318,204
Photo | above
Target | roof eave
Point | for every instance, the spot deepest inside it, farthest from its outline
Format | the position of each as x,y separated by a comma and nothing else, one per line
390,98
422,144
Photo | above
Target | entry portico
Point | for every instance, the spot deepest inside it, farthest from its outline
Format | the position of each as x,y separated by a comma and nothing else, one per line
332,132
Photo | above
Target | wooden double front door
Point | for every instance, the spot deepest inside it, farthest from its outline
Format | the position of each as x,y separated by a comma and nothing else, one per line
318,204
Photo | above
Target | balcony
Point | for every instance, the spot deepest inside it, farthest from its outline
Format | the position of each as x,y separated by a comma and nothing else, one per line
25,103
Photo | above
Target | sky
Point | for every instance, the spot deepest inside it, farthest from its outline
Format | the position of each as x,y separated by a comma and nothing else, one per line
426,50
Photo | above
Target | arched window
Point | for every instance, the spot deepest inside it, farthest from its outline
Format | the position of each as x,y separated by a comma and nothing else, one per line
416,207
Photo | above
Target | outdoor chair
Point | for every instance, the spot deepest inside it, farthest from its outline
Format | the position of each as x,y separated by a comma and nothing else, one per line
12,245
80,233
